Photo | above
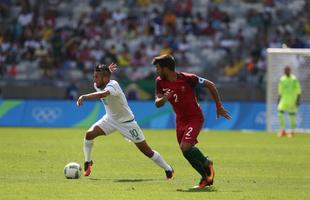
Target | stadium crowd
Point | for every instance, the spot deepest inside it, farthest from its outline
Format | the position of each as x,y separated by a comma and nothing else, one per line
223,40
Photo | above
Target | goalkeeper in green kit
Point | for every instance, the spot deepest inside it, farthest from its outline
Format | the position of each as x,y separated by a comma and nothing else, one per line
289,97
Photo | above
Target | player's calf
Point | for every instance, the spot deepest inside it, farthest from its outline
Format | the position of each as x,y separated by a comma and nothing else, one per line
211,175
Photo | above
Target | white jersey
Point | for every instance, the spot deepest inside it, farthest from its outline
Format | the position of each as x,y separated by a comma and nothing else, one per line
116,105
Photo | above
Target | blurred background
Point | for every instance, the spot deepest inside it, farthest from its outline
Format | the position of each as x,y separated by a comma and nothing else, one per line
48,49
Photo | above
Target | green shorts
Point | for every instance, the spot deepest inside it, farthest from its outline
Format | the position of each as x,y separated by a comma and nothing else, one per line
286,106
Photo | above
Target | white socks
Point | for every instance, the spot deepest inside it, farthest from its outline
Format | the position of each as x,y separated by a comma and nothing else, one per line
88,145
160,161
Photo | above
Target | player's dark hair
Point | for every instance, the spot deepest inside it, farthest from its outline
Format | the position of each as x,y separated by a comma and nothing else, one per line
102,68
165,61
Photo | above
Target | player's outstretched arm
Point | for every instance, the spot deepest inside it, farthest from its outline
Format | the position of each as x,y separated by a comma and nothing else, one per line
220,110
94,95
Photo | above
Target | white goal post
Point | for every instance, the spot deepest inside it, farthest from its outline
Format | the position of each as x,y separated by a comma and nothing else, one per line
299,61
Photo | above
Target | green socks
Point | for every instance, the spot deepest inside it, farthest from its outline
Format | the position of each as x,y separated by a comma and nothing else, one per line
198,161
292,118
281,120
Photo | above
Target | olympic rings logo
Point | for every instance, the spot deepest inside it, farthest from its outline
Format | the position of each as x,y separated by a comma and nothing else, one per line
46,114
260,117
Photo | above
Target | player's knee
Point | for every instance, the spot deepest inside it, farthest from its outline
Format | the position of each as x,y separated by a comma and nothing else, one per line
89,135
185,147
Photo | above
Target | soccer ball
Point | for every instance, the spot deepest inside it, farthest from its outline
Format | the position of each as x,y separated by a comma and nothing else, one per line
72,170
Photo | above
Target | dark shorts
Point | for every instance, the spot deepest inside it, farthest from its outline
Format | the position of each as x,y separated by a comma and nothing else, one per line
188,131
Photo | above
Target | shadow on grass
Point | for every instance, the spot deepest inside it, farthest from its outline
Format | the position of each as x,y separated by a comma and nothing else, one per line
121,180
100,179
133,180
207,189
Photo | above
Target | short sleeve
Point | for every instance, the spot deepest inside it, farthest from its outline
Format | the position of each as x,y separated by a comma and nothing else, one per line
112,88
195,80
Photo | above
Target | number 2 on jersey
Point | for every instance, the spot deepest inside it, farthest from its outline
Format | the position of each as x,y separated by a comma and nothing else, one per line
175,96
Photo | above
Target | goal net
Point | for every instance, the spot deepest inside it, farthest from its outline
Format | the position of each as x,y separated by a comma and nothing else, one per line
299,61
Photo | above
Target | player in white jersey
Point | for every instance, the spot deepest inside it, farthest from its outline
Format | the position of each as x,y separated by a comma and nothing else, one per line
118,117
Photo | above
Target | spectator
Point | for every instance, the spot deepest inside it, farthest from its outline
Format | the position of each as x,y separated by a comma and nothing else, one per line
131,33
25,18
71,91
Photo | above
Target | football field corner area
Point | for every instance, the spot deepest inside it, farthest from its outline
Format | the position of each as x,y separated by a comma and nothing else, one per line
256,165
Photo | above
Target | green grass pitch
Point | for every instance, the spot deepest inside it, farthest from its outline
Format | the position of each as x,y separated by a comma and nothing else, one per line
248,166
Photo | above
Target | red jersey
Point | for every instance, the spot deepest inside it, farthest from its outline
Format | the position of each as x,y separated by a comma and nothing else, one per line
183,100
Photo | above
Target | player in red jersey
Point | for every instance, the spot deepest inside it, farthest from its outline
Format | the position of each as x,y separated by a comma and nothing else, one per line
179,89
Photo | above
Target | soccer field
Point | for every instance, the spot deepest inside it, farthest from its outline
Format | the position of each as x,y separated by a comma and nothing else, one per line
248,166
